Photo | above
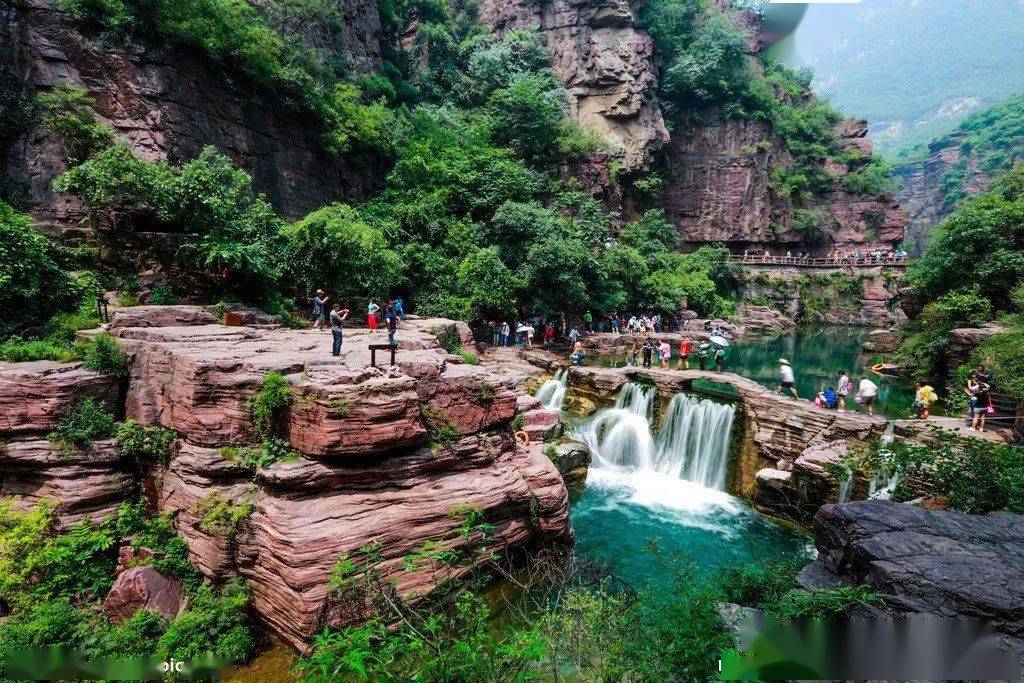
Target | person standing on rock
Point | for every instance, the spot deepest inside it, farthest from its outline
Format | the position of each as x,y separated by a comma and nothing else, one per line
664,354
319,309
391,321
338,317
588,321
843,386
866,393
574,335
787,382
702,355
400,307
371,314
506,331
719,358
685,346
648,351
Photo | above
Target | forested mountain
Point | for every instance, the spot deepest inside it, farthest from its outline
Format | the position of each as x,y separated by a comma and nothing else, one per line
914,69
936,176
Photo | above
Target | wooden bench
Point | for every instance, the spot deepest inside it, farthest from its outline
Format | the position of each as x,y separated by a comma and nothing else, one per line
374,348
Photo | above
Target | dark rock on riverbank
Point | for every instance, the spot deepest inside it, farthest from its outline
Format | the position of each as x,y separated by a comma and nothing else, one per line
927,561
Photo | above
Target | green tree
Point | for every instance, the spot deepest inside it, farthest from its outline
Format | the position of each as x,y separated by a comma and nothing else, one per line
982,242
527,116
335,248
33,286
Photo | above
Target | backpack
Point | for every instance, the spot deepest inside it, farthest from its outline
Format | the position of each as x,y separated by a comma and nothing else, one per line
831,400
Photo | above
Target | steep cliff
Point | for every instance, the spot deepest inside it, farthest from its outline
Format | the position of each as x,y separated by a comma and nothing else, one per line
715,168
171,102
935,177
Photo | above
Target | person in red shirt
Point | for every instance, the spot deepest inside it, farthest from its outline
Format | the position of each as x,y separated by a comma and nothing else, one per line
685,346
549,334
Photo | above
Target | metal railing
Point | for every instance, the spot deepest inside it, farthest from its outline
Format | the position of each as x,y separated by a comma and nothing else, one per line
818,261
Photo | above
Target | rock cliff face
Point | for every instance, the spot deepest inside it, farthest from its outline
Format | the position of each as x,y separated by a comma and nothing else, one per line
384,455
171,102
921,189
605,61
716,171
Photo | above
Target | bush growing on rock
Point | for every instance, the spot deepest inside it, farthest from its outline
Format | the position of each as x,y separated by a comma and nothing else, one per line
33,286
102,353
82,422
144,444
269,404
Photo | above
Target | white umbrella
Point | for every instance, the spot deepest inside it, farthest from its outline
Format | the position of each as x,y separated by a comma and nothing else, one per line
721,341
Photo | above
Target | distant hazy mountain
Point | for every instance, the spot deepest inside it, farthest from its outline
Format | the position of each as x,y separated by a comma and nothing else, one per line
913,68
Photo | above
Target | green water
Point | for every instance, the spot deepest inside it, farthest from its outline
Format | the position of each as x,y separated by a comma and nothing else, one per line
619,511
815,354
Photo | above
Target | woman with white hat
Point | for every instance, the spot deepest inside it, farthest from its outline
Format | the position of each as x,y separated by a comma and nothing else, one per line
786,380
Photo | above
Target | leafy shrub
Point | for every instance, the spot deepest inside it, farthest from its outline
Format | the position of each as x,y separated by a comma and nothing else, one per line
18,350
974,476
268,405
157,533
352,257
353,124
82,422
216,624
135,636
220,516
67,111
272,450
760,583
873,180
102,353
441,429
229,230
161,295
823,602
144,443
33,287
925,338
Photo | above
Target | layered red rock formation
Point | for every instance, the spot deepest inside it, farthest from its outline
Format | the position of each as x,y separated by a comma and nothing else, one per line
385,455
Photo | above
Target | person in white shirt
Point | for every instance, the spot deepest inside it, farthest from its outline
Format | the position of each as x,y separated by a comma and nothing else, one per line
866,392
786,379
843,386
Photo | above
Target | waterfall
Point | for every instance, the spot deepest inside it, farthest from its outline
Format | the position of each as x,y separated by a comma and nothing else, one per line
552,392
694,441
693,444
845,488
883,483
621,435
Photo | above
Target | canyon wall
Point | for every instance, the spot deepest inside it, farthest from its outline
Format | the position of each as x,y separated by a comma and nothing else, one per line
172,102
716,169
921,191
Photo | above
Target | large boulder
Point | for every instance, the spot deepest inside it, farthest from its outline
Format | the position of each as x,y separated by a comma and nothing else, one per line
142,588
963,340
927,561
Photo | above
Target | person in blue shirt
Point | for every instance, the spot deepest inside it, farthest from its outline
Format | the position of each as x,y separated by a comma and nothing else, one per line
400,308
391,320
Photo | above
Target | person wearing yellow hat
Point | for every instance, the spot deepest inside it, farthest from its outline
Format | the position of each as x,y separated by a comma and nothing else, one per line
786,380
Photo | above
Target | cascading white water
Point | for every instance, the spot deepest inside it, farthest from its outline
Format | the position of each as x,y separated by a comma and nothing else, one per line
694,441
845,489
693,444
552,392
883,483
621,435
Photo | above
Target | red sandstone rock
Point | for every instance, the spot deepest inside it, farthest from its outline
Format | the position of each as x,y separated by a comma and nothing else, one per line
160,316
83,484
308,513
142,588
33,395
